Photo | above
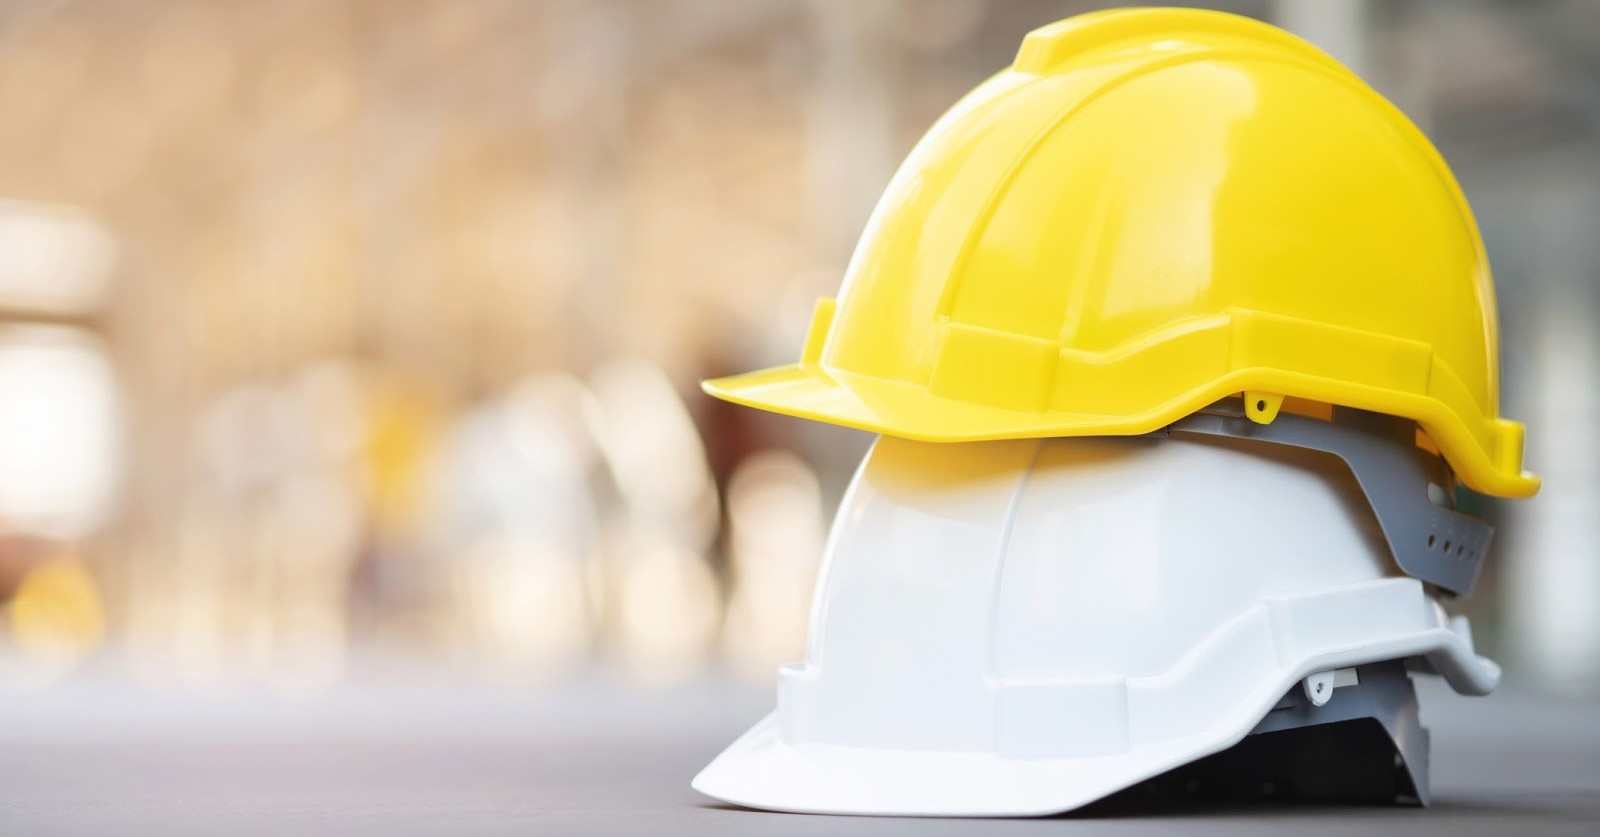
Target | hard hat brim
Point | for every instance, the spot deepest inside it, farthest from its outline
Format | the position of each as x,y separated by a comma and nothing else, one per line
908,412
760,770
895,408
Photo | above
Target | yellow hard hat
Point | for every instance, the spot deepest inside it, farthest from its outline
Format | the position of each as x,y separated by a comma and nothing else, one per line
1151,210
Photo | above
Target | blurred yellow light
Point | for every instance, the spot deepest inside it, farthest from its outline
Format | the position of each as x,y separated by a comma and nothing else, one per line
56,618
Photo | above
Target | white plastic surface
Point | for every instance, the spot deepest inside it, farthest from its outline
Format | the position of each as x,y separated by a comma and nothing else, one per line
1022,627
1318,687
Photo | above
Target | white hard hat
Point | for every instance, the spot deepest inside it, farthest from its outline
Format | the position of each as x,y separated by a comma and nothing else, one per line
1024,627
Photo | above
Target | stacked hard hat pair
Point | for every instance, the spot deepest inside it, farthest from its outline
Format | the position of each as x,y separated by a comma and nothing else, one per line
1178,337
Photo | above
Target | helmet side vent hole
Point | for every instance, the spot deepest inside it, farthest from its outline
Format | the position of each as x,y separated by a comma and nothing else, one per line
1447,547
1432,540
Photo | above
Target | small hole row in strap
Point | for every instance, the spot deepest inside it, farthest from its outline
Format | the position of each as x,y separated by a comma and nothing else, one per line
1448,547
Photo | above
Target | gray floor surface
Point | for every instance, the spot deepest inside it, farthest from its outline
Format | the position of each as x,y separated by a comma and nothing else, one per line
396,757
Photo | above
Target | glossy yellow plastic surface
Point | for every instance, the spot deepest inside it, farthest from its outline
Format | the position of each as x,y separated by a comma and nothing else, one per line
1150,210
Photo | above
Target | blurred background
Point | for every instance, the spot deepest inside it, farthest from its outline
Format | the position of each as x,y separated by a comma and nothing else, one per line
342,333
